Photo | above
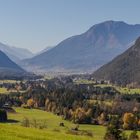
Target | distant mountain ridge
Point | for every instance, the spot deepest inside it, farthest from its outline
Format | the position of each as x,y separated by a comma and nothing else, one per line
44,50
124,69
14,53
9,69
88,51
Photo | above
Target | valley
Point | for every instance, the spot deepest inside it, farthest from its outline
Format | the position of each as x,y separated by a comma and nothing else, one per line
64,108
75,73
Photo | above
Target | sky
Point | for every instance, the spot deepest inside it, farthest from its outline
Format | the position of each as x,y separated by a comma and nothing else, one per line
37,24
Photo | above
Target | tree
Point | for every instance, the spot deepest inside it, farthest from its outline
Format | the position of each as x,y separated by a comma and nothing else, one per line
139,123
79,115
102,118
89,113
30,103
113,131
129,121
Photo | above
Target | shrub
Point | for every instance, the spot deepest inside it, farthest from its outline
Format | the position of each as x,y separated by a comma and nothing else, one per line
34,123
42,125
133,136
25,106
75,128
61,124
25,122
81,132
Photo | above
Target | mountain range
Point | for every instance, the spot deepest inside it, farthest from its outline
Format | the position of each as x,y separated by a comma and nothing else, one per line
44,50
14,53
88,51
124,69
8,68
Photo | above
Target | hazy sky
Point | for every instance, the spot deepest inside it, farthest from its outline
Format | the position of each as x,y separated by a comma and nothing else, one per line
35,24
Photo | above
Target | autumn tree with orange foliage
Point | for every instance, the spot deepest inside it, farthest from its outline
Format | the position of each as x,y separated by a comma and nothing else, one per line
130,121
30,103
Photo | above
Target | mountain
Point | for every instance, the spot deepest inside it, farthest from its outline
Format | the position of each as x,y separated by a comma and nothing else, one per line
44,50
124,69
8,68
15,53
88,51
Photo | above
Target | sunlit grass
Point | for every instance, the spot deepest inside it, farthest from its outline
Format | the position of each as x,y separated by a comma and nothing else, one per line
14,131
53,130
3,91
9,81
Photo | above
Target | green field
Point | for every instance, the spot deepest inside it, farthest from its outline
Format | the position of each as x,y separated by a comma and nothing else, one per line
128,90
123,90
83,81
3,91
14,130
9,81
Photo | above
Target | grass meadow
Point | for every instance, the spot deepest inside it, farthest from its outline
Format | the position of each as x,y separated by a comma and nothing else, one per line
13,130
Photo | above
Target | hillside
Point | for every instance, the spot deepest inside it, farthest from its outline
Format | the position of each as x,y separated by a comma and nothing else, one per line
88,51
15,53
124,69
7,67
52,132
44,50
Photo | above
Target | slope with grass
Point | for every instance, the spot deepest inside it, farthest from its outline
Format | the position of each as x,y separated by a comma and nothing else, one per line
14,131
123,90
3,91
